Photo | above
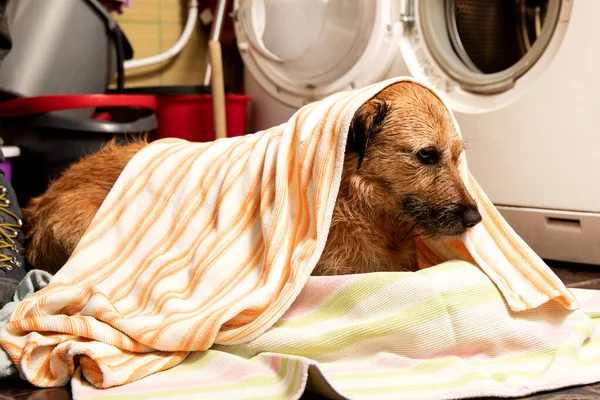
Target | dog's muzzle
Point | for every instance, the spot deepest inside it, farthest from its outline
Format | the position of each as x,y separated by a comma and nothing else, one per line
435,220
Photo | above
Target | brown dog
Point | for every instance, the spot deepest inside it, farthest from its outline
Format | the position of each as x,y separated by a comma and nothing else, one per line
400,180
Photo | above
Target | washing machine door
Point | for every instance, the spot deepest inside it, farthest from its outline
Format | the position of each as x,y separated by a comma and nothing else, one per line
480,54
300,51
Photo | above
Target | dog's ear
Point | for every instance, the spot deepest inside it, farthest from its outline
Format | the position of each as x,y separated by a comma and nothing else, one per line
367,121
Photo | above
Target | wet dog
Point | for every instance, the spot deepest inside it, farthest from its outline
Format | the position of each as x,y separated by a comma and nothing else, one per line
400,180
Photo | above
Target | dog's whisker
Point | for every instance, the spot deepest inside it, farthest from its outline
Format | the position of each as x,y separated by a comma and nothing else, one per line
409,232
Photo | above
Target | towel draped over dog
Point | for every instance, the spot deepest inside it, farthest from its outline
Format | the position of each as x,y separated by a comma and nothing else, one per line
210,243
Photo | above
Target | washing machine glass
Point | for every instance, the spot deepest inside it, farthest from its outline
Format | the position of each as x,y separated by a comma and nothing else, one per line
306,41
303,50
486,45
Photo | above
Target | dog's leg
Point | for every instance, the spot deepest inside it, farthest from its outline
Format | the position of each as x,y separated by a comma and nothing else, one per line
56,220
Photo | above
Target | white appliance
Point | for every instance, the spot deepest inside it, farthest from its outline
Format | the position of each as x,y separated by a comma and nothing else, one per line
523,77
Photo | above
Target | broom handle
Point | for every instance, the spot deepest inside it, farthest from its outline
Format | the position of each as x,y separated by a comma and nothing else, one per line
215,34
218,89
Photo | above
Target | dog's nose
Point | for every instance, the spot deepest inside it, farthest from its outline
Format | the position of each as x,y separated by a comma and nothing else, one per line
471,217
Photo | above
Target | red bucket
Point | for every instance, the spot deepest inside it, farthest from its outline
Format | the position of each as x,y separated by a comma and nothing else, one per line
190,117
186,112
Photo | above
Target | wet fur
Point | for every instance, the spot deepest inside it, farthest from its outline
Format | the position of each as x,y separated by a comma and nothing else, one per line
56,220
391,197
387,196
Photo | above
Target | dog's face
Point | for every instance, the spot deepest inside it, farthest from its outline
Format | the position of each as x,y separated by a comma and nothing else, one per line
403,156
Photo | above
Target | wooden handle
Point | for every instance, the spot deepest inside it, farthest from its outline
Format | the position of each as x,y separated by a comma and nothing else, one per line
218,89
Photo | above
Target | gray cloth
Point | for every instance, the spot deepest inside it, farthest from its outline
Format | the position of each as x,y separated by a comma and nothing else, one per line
5,39
34,281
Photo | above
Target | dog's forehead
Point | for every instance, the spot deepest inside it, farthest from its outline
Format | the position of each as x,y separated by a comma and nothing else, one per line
445,129
412,98
423,111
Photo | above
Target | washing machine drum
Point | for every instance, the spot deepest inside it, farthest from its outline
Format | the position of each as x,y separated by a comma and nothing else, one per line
477,52
492,36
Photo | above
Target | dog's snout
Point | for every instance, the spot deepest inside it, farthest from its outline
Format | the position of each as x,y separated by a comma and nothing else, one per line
471,217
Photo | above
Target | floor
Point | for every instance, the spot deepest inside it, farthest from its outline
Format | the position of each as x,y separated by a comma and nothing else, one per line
571,274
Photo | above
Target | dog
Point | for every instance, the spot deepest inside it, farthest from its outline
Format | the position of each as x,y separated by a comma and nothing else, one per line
400,180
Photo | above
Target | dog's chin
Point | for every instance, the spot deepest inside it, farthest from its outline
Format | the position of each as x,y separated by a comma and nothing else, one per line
433,231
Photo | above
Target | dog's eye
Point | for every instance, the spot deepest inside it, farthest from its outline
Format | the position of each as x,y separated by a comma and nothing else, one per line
428,156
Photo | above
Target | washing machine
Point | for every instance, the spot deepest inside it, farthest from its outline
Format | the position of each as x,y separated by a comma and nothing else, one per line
522,76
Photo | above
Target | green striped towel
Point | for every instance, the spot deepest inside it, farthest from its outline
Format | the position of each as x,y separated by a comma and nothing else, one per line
440,333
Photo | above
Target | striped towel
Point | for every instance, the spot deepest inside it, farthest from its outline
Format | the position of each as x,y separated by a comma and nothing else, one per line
210,243
440,333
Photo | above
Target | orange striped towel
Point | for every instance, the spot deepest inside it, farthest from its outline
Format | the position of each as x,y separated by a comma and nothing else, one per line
210,243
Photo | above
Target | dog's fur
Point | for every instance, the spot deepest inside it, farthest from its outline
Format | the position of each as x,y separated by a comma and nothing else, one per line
400,180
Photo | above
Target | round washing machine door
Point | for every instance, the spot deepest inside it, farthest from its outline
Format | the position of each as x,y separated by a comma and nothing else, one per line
300,51
482,54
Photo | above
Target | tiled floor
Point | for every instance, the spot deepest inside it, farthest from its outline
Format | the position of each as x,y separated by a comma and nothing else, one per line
576,275
573,276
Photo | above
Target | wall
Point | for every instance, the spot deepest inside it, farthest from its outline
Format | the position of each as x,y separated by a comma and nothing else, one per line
153,26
